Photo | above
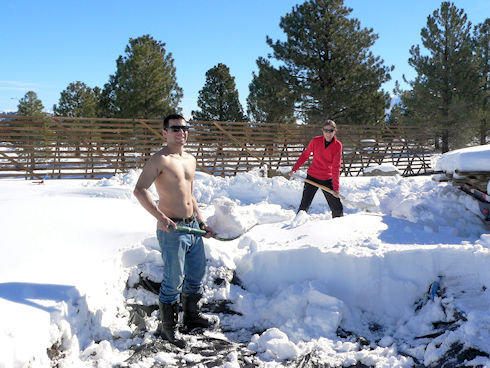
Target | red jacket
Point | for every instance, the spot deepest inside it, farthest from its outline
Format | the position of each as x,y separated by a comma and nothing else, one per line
326,161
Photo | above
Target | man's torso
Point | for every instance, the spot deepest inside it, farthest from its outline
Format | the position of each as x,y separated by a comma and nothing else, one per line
174,184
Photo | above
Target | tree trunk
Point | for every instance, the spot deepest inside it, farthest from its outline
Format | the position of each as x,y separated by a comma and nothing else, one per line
483,132
445,141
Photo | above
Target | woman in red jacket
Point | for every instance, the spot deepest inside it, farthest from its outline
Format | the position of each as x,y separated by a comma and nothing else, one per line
324,169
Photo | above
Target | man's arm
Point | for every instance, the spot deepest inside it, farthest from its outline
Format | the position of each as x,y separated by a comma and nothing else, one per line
146,179
197,212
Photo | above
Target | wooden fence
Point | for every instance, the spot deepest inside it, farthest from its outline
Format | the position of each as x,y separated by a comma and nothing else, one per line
60,147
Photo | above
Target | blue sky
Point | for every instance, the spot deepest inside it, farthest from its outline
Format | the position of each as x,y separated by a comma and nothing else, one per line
46,45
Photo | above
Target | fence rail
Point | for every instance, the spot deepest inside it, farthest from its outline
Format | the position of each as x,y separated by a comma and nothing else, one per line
61,147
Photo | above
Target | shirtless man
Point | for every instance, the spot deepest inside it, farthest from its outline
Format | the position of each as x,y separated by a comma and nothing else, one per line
172,170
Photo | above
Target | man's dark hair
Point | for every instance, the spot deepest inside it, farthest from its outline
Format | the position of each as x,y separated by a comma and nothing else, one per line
171,117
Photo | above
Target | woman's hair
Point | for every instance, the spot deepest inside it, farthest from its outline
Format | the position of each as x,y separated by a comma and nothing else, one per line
330,122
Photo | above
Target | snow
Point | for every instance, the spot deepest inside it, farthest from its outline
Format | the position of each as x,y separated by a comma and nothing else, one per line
410,254
466,159
385,168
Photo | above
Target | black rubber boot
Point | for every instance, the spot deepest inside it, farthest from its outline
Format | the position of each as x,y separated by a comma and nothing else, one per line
169,315
192,317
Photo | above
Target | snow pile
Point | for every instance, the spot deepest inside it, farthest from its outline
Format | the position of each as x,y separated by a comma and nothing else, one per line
385,170
466,159
401,280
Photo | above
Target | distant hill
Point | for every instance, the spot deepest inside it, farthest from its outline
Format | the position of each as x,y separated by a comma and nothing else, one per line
8,113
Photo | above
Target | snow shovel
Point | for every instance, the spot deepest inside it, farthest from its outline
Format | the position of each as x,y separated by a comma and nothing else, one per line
192,230
368,203
322,187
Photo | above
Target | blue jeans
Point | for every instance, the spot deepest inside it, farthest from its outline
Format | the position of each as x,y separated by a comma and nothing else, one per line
184,263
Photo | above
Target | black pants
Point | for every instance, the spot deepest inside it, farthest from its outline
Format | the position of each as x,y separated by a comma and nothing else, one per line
309,192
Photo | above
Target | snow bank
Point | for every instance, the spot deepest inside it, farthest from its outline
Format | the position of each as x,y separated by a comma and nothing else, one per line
360,288
466,159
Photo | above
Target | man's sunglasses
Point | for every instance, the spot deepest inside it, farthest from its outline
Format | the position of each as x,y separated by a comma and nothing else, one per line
177,128
328,130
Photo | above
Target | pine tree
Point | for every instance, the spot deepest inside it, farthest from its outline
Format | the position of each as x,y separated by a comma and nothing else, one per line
443,91
40,136
107,99
77,100
482,43
145,83
271,97
396,115
30,105
327,55
218,99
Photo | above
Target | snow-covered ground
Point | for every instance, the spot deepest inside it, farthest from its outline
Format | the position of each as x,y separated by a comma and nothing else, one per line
401,280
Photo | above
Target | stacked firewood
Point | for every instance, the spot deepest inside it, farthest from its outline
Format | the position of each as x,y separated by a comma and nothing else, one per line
474,183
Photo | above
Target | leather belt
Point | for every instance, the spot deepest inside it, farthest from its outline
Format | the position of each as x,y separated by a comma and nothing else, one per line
188,220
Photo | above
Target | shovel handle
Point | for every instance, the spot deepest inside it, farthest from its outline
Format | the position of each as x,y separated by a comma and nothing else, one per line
322,187
189,230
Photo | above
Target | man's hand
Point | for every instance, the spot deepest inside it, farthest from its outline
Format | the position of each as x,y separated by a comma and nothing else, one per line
335,194
208,230
164,223
291,173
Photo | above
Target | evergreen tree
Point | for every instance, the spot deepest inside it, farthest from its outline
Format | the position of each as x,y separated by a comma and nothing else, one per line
145,83
39,138
107,99
271,98
218,99
78,100
443,91
30,105
482,43
327,55
396,115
